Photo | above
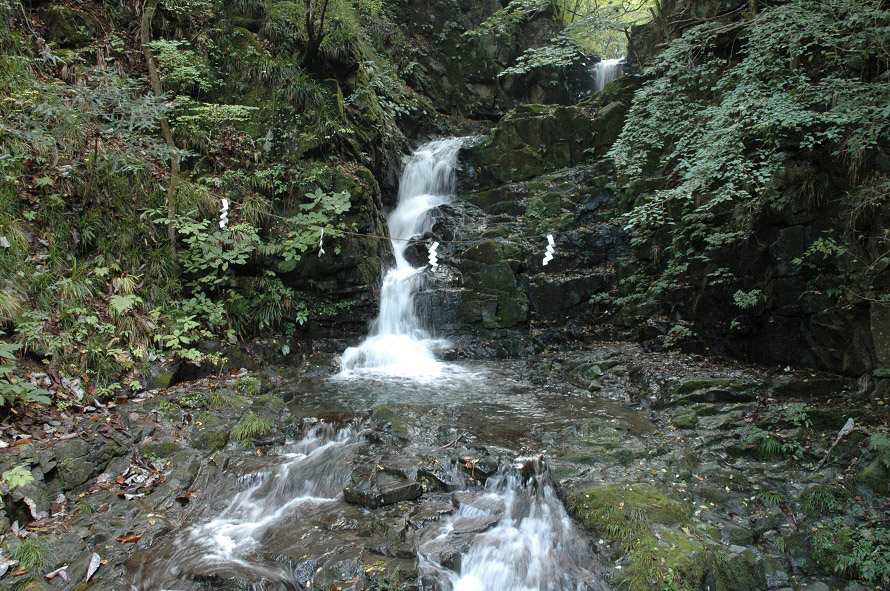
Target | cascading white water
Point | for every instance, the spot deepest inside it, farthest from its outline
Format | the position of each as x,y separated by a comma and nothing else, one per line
312,474
397,344
606,71
516,536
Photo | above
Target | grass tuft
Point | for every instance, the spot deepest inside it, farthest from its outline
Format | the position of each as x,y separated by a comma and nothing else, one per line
251,427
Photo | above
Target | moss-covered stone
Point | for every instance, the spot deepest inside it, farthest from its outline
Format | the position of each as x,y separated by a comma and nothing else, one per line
876,477
685,421
532,140
391,415
70,28
623,511
211,438
162,449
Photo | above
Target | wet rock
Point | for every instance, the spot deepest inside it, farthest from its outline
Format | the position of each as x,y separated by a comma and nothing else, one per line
160,375
532,140
710,390
439,478
740,571
380,488
548,295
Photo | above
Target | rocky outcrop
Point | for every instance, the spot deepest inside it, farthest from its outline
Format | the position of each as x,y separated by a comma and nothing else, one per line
460,73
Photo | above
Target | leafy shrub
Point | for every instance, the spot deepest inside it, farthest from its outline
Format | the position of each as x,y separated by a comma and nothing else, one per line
861,552
247,386
13,389
880,443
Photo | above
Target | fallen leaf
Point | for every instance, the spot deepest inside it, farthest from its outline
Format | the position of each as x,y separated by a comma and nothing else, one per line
129,538
95,561
61,572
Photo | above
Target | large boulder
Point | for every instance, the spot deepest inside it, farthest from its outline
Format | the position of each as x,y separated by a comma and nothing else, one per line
532,140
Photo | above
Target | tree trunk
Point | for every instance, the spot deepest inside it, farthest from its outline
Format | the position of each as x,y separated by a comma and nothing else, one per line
148,11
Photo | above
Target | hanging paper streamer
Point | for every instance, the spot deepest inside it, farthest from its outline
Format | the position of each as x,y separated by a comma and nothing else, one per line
551,248
224,214
321,243
434,262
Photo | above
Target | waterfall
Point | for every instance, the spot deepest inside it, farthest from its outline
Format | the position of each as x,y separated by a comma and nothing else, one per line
397,344
515,536
605,71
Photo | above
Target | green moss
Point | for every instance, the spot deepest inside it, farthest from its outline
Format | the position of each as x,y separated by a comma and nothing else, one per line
212,439
672,560
388,414
685,421
623,511
876,477
162,449
690,386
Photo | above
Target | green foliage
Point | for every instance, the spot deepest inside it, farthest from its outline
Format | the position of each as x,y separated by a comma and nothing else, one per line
14,389
30,554
770,498
880,444
221,399
861,552
247,386
747,300
721,126
17,476
797,413
820,499
589,25
251,427
181,68
764,445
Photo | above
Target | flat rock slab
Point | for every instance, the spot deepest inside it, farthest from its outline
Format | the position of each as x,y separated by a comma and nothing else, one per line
380,489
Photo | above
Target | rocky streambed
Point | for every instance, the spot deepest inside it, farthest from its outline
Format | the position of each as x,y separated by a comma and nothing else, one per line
644,468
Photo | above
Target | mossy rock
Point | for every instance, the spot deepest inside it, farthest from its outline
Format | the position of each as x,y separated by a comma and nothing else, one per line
70,28
623,511
162,449
211,438
672,558
687,420
711,390
876,477
388,414
532,140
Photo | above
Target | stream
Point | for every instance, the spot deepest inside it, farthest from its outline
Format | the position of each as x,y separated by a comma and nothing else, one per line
497,523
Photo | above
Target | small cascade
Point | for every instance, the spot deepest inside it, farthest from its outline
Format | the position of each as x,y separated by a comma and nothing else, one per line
515,536
398,345
312,472
605,71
